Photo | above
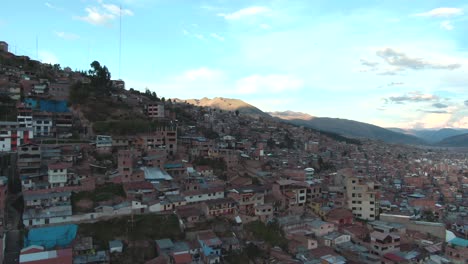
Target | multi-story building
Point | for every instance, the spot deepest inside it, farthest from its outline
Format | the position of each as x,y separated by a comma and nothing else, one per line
210,246
363,197
42,127
383,243
126,161
164,137
155,110
292,195
57,174
24,117
29,167
12,136
219,207
248,198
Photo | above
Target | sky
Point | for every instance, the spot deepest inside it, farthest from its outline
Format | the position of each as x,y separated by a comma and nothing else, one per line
392,63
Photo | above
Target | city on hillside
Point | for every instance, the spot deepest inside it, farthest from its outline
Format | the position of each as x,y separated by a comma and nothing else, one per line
95,172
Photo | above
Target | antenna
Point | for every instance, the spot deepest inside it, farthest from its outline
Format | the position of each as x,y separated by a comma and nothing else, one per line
120,38
37,47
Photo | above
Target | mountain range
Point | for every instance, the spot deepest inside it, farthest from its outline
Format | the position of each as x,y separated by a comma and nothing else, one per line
446,137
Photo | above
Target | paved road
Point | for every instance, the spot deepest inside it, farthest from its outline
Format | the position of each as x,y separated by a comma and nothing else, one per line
13,247
13,235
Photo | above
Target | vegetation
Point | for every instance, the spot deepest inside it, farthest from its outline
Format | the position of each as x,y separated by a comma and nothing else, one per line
101,193
250,253
126,127
7,109
138,227
218,164
100,84
271,233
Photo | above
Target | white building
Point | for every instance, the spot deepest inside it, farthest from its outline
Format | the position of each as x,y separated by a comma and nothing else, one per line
12,136
42,127
57,174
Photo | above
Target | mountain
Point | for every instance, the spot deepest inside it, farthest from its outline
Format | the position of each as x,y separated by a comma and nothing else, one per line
227,104
455,141
290,115
432,135
350,128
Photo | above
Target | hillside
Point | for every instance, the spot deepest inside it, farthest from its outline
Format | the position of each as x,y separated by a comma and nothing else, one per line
455,141
227,104
350,128
432,135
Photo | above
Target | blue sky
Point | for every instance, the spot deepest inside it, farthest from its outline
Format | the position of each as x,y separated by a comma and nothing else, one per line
394,63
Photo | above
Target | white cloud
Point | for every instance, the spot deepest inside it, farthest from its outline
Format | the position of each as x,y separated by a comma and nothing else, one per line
51,6
47,57
103,14
96,17
265,26
66,35
115,10
273,83
216,36
442,12
199,36
246,12
447,25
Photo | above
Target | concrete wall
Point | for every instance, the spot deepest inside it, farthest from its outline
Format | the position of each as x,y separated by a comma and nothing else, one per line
435,229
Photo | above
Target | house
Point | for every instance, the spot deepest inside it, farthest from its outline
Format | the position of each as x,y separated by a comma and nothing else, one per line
248,198
382,243
291,194
457,250
58,174
219,207
210,246
115,246
139,188
103,143
335,238
340,216
164,246
155,110
264,212
180,253
203,194
154,174
320,228
190,215
38,255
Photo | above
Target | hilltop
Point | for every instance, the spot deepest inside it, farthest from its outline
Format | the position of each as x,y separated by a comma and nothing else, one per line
227,104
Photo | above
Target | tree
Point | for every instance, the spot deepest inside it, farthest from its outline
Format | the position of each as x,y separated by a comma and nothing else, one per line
100,76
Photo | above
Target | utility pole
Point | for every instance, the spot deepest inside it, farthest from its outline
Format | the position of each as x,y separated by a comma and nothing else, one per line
37,48
120,40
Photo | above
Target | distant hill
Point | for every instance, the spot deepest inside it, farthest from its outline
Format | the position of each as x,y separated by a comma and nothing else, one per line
432,135
290,115
350,128
227,104
455,141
